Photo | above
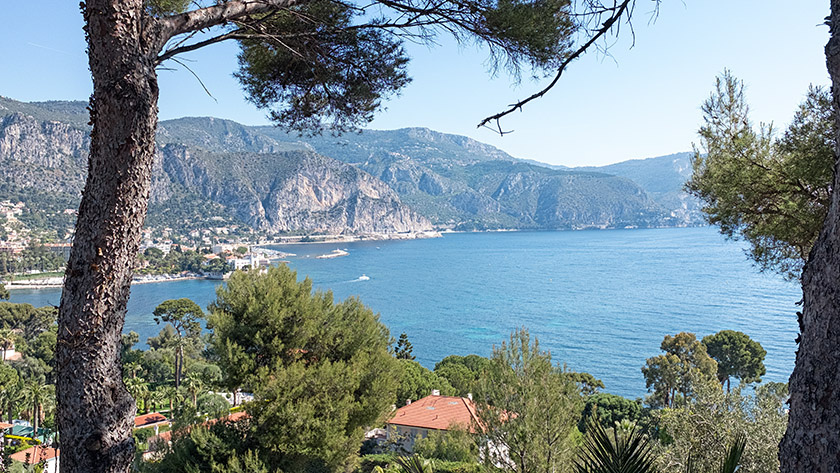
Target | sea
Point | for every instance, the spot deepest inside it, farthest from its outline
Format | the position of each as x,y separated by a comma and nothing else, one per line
599,301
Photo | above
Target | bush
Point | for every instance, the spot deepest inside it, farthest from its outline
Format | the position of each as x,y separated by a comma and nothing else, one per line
369,462
214,405
454,445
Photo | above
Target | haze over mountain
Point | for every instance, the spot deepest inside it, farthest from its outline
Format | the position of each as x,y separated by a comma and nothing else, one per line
375,181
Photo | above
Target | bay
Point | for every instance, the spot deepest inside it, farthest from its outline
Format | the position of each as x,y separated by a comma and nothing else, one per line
600,301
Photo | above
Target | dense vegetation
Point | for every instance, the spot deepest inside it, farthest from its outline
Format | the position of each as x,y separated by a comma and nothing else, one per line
34,258
322,373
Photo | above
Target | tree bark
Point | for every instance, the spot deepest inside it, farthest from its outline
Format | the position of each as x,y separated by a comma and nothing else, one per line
95,410
811,442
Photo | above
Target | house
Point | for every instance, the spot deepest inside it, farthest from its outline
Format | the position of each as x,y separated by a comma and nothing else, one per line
435,412
38,454
9,354
159,442
153,420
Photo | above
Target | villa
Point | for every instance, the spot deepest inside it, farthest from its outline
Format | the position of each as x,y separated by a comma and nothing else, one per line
431,413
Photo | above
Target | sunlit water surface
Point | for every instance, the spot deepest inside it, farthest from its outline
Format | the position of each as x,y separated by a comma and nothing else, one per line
600,301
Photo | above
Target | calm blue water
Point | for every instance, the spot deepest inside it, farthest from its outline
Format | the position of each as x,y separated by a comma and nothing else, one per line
600,301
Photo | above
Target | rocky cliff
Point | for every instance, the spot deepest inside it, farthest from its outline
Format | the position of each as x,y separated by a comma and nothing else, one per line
374,181
253,180
291,191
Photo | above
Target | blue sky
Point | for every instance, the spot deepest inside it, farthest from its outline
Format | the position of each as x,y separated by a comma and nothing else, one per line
640,102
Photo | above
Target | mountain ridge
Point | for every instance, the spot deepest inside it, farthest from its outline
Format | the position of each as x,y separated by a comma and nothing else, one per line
408,179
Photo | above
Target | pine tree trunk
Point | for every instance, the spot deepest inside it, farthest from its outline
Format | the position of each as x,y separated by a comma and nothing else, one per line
95,410
812,443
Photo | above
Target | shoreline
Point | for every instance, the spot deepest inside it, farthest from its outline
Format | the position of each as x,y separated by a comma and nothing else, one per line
13,286
320,239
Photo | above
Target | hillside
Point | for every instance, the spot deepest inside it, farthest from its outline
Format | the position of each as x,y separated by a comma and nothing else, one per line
215,170
663,179
453,180
43,163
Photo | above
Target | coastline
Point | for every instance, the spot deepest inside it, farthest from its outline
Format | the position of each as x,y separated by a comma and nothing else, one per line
58,285
297,240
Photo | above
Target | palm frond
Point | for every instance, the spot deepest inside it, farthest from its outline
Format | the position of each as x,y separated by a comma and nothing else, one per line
733,455
601,452
414,464
729,463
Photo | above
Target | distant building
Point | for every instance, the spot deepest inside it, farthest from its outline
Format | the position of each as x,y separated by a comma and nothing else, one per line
39,454
220,248
416,419
10,354
251,261
154,420
60,248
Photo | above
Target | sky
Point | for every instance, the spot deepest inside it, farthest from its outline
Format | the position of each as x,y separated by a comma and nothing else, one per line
643,100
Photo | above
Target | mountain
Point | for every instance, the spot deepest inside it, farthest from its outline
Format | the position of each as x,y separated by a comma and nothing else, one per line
292,191
43,160
215,170
663,179
453,180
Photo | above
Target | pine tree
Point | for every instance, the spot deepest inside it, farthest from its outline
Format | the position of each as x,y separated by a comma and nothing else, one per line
403,350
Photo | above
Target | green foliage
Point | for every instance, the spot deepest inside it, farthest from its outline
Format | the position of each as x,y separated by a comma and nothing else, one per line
209,373
32,321
321,371
4,293
325,70
674,375
186,211
330,62
527,408
453,445
417,382
538,32
737,356
610,409
618,451
415,464
213,405
403,349
705,430
34,257
175,261
164,7
462,372
42,348
43,213
443,466
183,316
772,192
730,463
220,447
587,383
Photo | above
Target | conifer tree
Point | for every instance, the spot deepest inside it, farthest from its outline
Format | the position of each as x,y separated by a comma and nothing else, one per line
403,350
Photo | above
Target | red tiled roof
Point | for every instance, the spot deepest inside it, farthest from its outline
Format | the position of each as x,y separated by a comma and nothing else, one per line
4,426
35,455
167,436
436,412
149,419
